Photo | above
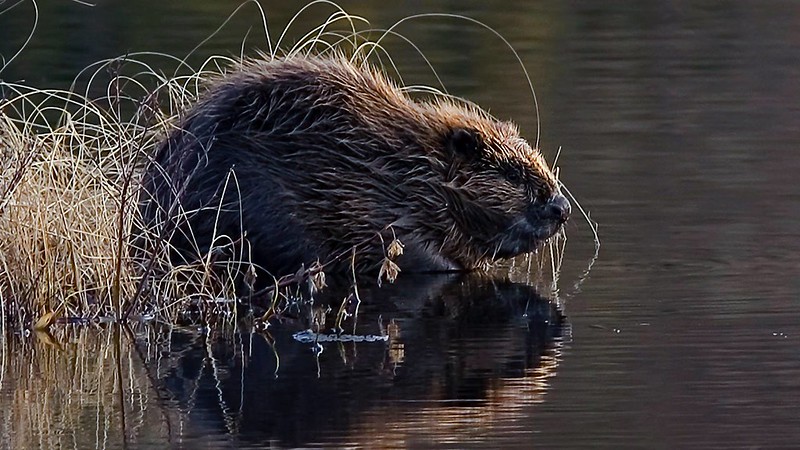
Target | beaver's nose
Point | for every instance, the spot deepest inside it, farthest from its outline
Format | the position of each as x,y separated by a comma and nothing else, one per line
557,208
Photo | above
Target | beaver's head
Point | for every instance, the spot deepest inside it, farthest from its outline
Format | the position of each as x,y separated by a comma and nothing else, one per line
499,192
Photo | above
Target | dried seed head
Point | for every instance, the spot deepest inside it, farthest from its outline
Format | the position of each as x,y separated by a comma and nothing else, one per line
395,249
389,270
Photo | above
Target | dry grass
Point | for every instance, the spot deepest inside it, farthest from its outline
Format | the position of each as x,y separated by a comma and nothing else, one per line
59,222
68,184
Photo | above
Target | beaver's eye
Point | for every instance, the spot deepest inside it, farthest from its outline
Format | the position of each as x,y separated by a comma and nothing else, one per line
513,177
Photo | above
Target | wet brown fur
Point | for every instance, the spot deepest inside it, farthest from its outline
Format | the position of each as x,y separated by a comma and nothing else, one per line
325,154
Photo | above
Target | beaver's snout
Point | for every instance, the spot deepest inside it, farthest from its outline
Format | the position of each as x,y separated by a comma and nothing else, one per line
555,210
540,222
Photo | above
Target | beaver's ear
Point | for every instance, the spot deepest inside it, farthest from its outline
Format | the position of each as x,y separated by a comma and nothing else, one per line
465,144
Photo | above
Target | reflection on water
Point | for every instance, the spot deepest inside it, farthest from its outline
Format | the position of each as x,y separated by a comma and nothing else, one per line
678,123
78,388
464,356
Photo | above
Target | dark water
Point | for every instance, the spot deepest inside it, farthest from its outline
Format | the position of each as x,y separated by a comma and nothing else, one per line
678,124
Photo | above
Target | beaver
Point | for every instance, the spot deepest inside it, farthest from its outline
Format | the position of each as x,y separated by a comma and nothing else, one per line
306,157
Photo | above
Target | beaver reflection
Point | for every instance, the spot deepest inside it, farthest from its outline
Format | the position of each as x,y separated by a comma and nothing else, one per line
459,339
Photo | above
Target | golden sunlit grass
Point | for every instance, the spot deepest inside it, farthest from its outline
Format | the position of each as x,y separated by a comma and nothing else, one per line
59,223
68,184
